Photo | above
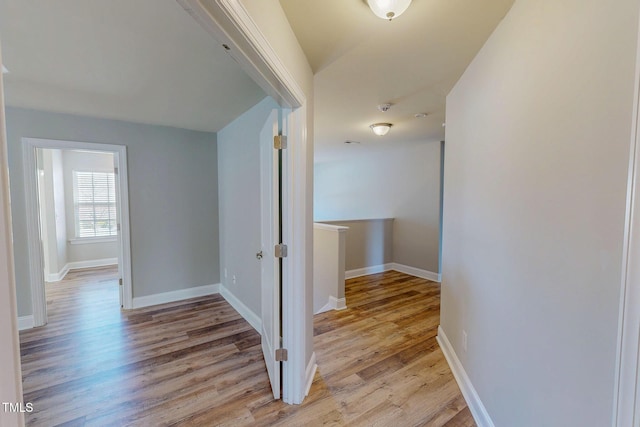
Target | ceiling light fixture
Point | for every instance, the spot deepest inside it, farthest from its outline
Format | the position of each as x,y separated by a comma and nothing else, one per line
381,129
388,9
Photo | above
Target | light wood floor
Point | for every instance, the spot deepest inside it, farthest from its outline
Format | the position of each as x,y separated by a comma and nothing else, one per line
198,363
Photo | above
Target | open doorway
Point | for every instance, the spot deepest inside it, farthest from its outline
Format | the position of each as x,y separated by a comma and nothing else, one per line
77,215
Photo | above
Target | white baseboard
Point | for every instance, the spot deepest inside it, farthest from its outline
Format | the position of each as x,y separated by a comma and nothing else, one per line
350,274
56,277
333,303
178,295
424,274
312,366
479,412
338,303
76,265
254,320
25,322
412,271
92,263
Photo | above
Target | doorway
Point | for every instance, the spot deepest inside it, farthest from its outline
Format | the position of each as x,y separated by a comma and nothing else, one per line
94,213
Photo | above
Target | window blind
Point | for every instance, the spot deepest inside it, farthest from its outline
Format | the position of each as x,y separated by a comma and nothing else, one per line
94,195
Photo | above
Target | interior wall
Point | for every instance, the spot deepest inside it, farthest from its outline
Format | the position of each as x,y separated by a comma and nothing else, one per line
369,242
538,133
392,182
240,209
84,161
173,197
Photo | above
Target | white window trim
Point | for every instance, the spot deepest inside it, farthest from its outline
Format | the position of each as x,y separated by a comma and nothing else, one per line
89,240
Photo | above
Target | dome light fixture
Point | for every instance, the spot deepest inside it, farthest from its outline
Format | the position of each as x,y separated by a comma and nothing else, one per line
388,9
381,129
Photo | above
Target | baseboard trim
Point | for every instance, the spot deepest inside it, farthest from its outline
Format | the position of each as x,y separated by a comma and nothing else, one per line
338,303
424,274
177,295
312,367
76,265
350,274
412,271
25,322
333,303
254,320
56,277
92,263
479,412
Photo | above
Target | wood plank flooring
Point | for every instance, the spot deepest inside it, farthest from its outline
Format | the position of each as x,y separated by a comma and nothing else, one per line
198,363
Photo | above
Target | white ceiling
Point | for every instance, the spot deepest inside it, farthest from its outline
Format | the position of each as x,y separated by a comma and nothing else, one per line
143,61
361,61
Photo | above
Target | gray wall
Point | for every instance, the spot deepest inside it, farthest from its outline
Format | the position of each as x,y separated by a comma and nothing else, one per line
173,196
240,224
400,182
538,132
369,242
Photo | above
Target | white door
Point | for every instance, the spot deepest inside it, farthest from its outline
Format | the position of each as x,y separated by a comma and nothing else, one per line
270,265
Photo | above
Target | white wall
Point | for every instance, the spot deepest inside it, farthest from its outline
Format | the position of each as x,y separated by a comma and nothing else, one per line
173,198
240,214
538,132
400,182
84,161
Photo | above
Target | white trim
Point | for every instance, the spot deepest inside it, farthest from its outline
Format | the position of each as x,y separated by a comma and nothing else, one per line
25,322
56,277
312,367
338,303
626,407
229,22
424,274
177,295
90,240
350,274
412,271
330,227
479,412
333,303
76,265
36,270
254,320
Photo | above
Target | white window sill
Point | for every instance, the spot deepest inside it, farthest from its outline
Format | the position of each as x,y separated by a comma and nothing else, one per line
89,240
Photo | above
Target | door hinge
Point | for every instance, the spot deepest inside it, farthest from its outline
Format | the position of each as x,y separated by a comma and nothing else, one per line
281,355
115,171
120,281
280,250
280,142
117,227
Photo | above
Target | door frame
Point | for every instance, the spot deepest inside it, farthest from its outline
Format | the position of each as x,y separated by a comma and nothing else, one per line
626,398
10,371
229,22
36,271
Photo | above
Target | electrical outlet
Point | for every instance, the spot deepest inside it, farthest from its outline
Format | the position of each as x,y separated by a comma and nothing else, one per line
464,340
234,279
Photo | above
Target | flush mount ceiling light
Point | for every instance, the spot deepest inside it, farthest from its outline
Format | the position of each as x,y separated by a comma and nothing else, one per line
388,9
381,129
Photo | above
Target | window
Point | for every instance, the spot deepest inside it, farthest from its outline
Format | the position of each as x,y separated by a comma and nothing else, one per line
94,203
